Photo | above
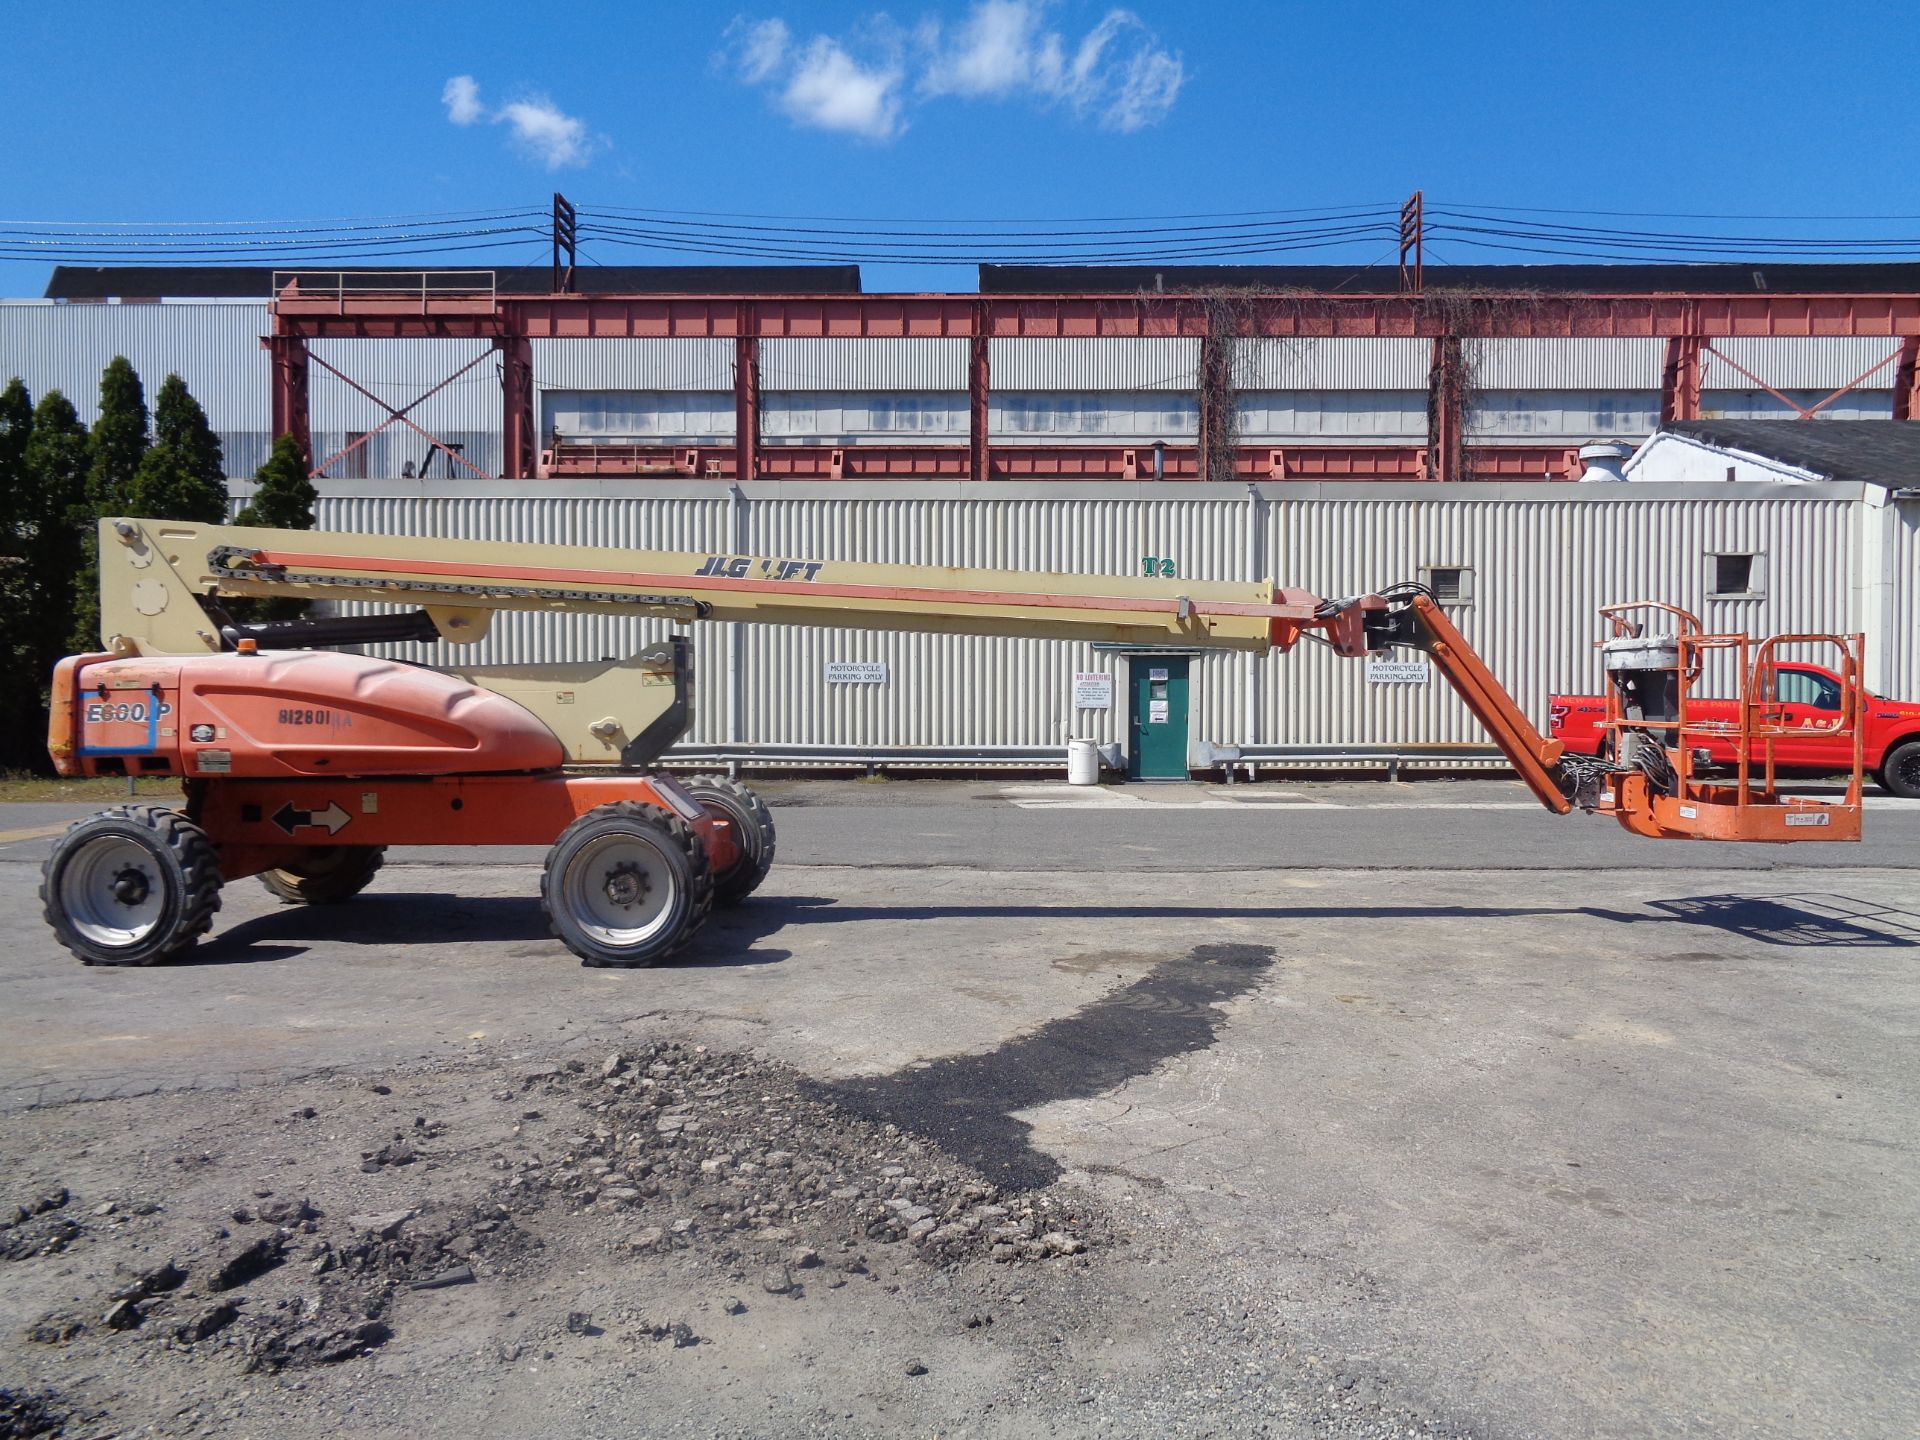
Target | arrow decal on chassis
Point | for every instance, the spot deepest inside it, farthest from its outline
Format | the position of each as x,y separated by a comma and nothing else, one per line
289,818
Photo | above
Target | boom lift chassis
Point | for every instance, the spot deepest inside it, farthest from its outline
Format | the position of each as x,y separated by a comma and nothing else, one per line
301,764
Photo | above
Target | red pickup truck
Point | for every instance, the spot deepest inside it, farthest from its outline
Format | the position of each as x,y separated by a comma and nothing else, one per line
1809,694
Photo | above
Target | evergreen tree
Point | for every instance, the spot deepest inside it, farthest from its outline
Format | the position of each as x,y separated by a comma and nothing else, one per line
168,486
16,425
119,437
285,498
179,421
283,501
17,693
116,447
53,517
181,475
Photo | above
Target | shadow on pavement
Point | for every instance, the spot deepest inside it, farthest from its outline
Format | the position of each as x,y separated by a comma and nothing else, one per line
1794,920
440,919
965,1104
735,936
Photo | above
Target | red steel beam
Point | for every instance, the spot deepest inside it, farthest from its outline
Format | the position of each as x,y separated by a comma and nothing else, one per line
1680,378
1906,381
979,398
1438,312
291,387
1447,411
1054,462
746,398
519,439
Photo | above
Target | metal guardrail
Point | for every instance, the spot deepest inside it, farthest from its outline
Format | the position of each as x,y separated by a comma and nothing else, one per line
339,286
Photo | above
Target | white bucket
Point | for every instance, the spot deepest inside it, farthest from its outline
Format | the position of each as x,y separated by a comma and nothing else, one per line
1083,762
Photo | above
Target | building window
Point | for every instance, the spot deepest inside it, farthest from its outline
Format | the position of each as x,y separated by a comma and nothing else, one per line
1734,575
1450,584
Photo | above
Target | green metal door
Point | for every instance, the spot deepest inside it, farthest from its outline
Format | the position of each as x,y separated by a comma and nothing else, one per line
1159,727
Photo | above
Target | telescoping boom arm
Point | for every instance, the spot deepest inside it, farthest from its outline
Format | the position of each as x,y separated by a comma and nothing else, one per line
163,584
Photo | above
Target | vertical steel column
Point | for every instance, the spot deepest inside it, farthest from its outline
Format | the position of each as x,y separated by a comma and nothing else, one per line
519,441
1446,412
979,396
1680,378
746,396
1215,399
1906,381
291,387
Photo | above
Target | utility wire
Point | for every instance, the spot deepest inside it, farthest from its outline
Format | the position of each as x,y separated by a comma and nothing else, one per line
1217,236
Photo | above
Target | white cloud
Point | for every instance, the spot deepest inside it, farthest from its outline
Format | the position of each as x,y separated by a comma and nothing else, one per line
462,99
1122,74
1118,75
546,133
1151,84
760,47
540,130
998,49
830,90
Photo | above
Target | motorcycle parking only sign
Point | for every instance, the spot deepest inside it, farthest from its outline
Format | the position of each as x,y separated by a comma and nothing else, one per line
856,672
1399,672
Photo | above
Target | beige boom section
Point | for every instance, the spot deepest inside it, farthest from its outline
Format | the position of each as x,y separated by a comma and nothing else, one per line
152,572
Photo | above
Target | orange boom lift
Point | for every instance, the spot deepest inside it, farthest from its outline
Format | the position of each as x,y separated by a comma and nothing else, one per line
302,764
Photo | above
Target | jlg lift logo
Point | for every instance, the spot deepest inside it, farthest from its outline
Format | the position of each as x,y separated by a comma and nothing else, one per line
746,567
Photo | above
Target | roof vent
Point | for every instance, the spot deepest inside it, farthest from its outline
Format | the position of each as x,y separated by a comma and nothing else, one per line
1603,460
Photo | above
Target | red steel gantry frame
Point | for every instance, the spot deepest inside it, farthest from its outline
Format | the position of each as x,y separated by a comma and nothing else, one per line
1688,323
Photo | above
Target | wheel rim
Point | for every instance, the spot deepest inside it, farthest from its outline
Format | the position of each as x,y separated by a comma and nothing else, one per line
621,889
746,833
113,890
1909,771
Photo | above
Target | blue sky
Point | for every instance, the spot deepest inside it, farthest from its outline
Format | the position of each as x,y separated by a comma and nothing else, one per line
939,110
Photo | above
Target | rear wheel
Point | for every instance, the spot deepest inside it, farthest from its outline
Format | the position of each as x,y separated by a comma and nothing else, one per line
133,885
753,829
326,876
626,885
1900,771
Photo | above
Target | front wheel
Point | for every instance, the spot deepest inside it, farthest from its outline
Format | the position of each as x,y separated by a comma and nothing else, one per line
1900,771
752,826
626,885
133,885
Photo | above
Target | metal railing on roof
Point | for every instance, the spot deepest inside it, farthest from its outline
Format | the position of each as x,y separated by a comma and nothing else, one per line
425,286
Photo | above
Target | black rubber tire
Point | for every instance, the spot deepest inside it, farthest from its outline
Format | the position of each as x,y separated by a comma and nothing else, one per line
681,858
181,863
752,822
327,876
1900,771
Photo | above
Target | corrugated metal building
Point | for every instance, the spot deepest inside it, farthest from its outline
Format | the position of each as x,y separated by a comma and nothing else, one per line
902,392
1532,566
1534,561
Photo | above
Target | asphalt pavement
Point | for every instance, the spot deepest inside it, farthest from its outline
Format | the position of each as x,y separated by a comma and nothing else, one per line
1566,1133
1339,825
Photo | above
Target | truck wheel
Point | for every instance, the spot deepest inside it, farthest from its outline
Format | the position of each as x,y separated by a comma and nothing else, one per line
326,876
752,822
1900,771
626,885
133,885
